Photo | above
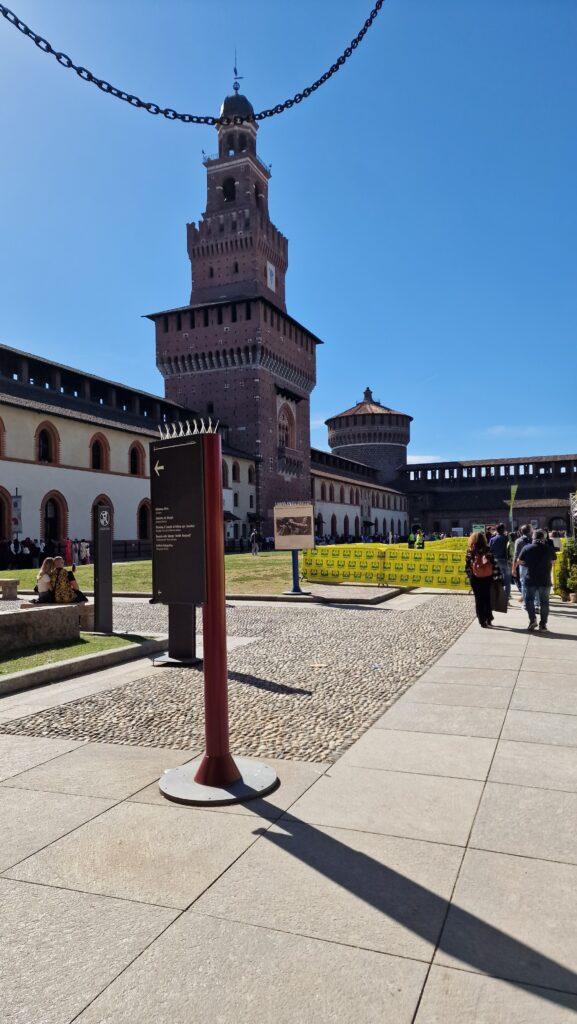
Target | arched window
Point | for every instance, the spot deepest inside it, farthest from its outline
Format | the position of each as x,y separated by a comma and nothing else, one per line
230,144
319,525
251,477
5,514
235,499
323,492
99,453
53,517
47,443
342,496
331,493
143,524
346,527
400,527
376,526
136,459
224,474
2,439
103,499
235,472
229,190
357,498
242,142
286,428
357,527
352,496
333,526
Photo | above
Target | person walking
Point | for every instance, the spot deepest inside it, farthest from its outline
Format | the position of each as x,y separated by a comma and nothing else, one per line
523,539
481,570
498,545
254,543
411,540
420,540
537,557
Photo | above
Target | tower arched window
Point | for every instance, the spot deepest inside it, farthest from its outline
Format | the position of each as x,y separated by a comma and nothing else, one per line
251,474
331,493
230,144
224,474
323,492
229,190
236,472
333,526
242,142
286,428
236,266
342,496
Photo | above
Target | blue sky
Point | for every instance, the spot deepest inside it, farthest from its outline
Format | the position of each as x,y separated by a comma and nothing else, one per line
428,192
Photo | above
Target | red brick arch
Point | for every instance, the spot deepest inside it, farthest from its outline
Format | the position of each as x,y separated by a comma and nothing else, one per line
62,507
54,440
5,512
105,444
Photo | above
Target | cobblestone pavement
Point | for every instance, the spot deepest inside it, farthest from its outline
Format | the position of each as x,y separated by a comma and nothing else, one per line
313,681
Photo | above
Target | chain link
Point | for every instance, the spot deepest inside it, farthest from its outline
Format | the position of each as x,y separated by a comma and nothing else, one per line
168,112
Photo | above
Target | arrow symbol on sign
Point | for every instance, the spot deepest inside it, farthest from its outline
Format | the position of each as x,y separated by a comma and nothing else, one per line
158,468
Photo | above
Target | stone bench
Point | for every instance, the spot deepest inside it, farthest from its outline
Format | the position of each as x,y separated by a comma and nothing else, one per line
43,624
9,589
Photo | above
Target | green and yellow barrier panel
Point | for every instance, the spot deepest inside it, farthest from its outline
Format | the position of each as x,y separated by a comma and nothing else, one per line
387,565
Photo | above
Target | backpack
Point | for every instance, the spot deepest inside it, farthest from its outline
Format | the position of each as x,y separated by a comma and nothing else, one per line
481,566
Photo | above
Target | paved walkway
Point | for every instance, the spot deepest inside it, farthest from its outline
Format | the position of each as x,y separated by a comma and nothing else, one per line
429,876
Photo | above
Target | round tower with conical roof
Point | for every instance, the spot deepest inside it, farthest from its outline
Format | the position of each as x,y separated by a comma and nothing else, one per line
373,434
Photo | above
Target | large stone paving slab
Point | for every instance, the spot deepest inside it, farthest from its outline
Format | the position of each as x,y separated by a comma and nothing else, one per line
139,852
462,757
309,685
220,972
545,766
33,820
442,719
480,675
461,694
537,727
19,753
101,769
392,803
514,918
530,822
378,892
58,949
549,697
459,997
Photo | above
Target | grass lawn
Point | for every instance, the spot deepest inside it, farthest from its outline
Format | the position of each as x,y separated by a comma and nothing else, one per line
267,573
46,654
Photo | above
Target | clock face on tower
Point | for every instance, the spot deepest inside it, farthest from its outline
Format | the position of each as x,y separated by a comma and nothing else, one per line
271,276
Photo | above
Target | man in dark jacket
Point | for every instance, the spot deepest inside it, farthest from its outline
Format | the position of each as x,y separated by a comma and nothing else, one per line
498,544
537,558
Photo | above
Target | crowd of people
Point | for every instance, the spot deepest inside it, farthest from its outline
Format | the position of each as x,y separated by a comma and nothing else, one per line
29,554
496,560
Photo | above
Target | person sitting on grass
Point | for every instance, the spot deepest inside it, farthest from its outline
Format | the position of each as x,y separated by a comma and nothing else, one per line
64,585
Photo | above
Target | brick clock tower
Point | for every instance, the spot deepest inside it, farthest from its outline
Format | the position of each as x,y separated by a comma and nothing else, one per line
234,352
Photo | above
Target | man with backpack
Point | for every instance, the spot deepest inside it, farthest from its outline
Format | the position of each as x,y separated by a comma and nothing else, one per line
498,545
537,558
523,539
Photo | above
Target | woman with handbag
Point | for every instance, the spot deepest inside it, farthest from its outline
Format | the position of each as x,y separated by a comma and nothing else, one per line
482,570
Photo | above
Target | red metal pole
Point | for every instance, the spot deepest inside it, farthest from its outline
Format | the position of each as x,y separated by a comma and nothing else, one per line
217,767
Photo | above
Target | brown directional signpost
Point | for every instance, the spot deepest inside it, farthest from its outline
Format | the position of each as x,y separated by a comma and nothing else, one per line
188,569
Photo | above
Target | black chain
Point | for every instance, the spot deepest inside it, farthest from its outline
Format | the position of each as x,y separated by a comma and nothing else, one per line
173,115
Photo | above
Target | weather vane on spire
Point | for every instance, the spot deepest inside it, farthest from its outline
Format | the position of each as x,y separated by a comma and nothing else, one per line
237,77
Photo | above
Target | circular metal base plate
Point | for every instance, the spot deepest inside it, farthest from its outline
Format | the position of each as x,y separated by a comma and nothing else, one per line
256,781
165,659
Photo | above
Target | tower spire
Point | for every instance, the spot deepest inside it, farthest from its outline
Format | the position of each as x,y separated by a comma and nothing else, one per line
237,77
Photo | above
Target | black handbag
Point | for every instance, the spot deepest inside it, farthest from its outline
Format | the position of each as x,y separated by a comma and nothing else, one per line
498,597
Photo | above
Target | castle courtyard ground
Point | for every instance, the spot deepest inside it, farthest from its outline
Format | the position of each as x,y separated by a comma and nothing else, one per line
418,862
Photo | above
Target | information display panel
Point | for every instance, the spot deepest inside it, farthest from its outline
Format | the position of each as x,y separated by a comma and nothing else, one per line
178,543
294,526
